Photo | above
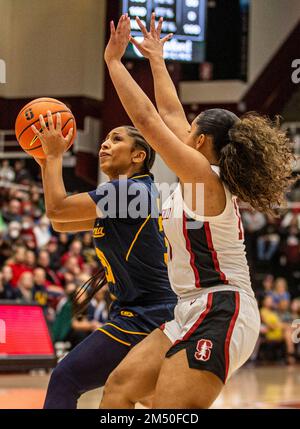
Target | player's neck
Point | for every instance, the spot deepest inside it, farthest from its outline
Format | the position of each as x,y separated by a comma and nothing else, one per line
129,173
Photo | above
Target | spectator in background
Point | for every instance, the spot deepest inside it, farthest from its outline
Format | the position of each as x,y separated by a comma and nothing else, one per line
62,324
25,291
27,230
13,232
44,262
75,253
27,209
285,315
281,292
98,309
253,222
88,250
266,289
63,243
7,173
39,277
30,293
18,265
295,308
93,318
290,256
6,291
268,246
12,212
70,270
52,248
272,328
6,250
30,259
22,174
42,232
7,276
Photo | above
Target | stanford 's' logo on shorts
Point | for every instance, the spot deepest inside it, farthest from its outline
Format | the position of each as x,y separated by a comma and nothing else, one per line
203,350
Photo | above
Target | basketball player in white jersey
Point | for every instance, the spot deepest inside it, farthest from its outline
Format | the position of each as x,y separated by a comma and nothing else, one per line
217,322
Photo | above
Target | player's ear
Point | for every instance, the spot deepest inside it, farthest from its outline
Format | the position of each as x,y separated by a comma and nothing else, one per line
200,141
138,156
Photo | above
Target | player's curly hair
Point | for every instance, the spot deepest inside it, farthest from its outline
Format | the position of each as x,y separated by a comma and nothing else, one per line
255,156
140,143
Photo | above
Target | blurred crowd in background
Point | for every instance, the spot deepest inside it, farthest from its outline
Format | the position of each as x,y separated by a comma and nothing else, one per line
43,267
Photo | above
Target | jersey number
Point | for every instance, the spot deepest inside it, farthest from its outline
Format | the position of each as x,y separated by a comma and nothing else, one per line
106,265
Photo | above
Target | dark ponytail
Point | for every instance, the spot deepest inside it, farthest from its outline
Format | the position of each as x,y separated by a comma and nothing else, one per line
255,156
140,142
87,291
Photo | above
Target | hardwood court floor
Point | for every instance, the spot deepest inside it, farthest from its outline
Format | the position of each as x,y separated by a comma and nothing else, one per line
260,387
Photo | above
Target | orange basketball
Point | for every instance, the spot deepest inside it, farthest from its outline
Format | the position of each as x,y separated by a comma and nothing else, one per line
29,115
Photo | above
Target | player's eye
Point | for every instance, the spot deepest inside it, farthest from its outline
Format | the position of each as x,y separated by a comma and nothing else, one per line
118,138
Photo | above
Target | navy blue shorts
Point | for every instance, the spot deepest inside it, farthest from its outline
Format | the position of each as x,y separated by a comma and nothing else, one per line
91,362
129,324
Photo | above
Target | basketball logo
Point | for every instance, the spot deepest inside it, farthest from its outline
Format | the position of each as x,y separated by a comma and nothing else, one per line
203,350
29,114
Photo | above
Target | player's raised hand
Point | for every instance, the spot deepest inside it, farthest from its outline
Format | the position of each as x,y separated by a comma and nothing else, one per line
152,46
119,39
53,142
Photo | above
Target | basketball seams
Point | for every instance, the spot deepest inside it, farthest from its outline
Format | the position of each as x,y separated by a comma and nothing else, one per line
38,147
45,117
41,100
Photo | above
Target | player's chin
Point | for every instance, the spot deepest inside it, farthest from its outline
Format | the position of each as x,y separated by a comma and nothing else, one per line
105,165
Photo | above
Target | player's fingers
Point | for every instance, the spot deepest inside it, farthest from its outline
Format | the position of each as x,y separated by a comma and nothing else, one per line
50,120
159,27
112,28
142,27
166,38
69,136
152,25
58,122
36,131
43,123
134,42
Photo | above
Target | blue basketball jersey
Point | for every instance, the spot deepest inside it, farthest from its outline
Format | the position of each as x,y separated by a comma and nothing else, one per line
132,247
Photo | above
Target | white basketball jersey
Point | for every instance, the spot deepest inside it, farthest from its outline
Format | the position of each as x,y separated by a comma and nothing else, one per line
205,251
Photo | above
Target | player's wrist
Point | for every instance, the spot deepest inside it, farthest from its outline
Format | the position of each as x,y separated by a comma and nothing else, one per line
156,59
112,61
54,157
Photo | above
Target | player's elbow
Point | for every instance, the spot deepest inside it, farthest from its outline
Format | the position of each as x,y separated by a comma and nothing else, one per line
145,117
52,214
57,215
58,227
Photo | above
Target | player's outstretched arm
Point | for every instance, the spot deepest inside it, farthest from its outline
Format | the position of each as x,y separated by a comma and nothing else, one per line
187,163
59,206
167,100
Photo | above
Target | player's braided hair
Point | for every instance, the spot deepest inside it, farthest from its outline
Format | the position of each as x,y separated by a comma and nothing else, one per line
140,142
255,156
84,294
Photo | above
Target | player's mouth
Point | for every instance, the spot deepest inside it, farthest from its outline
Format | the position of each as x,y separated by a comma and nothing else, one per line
104,155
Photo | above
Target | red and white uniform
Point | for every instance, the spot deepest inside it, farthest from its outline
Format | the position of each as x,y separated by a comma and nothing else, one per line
206,255
205,251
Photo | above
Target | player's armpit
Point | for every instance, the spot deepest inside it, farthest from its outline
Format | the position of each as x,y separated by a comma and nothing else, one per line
86,225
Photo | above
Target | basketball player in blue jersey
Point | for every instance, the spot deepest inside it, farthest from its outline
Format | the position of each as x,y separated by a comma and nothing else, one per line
130,246
216,323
